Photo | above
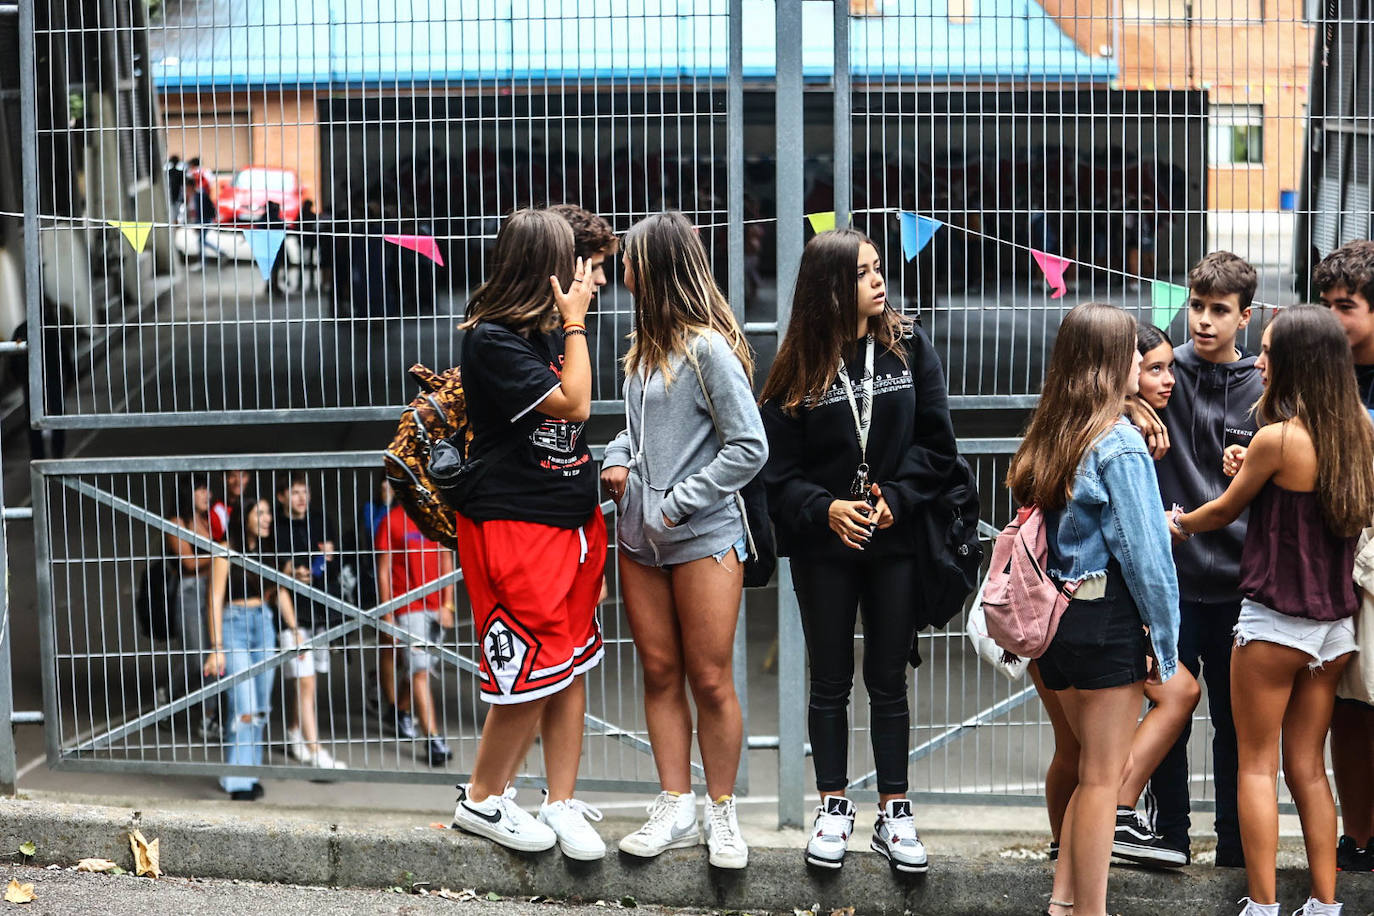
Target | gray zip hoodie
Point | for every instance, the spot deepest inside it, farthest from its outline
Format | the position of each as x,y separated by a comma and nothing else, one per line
680,466
1211,408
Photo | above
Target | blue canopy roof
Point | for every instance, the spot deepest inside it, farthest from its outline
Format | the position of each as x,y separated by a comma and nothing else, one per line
228,44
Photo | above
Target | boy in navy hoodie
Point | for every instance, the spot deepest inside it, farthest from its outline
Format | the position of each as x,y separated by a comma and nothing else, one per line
1215,389
1345,282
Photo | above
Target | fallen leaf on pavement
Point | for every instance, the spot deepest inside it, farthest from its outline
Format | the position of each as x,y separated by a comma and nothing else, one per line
95,865
438,825
19,893
843,911
492,896
28,849
145,855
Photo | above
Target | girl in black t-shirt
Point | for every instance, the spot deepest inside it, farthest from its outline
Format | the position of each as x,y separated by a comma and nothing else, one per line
859,439
531,538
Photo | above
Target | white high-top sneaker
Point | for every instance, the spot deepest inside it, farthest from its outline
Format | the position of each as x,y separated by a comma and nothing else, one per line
830,832
894,835
723,839
672,824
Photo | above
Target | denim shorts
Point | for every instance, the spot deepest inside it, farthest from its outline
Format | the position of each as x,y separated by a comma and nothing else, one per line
1100,642
1324,640
740,547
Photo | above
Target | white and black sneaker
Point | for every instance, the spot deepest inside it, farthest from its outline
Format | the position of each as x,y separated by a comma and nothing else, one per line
500,819
672,824
894,835
1136,842
830,832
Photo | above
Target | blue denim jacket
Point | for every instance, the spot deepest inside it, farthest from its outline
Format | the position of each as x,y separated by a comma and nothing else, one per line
1114,512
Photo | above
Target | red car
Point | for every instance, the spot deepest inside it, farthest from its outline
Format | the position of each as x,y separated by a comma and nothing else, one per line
244,198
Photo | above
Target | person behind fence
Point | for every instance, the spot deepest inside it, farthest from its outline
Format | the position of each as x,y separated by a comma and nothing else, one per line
1345,282
242,622
1171,704
222,507
306,548
407,560
1088,470
1308,478
859,437
531,538
693,439
192,513
1212,407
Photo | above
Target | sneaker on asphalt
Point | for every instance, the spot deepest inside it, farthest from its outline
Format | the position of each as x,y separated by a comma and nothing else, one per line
1258,909
723,839
894,835
1347,853
296,748
576,838
1136,842
405,726
324,760
672,824
830,832
1314,907
500,819
437,751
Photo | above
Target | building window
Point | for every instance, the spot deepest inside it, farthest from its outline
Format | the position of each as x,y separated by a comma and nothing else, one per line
1237,135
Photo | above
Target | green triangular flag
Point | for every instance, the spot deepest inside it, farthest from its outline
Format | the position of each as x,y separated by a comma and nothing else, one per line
1165,301
822,222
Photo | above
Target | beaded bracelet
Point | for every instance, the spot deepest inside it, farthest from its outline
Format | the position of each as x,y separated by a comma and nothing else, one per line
568,332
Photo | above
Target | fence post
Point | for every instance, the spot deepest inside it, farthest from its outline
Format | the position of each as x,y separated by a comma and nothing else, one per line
844,126
791,704
7,756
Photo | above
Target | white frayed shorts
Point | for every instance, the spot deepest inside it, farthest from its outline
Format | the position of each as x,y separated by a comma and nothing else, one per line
1324,640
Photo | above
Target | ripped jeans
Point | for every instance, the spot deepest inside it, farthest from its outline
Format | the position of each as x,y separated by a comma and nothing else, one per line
250,636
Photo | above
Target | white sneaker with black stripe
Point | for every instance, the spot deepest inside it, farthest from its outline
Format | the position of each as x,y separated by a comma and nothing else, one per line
830,832
1134,841
894,836
500,819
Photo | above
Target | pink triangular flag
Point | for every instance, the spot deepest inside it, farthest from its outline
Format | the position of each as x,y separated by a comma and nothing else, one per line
1053,266
421,244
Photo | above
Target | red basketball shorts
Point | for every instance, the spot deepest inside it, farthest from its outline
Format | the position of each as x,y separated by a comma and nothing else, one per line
534,591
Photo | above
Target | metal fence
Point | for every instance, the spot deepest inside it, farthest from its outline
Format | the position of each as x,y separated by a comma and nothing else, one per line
1116,141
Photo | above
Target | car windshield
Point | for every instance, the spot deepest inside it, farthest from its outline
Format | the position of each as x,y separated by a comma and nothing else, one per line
264,180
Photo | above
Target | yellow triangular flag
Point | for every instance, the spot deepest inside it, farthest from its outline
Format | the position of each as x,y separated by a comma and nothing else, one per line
821,222
136,233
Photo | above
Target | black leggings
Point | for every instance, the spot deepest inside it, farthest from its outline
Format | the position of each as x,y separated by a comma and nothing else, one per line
830,592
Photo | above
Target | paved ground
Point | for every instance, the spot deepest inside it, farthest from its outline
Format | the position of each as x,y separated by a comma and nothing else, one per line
65,892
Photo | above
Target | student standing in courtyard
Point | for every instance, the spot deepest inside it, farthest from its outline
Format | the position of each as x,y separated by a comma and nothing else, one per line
693,439
531,539
1088,470
1308,478
859,438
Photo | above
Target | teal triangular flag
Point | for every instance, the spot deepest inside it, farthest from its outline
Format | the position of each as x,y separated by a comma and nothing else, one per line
1165,301
917,231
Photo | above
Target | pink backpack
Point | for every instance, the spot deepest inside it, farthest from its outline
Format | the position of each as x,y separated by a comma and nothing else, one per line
1022,603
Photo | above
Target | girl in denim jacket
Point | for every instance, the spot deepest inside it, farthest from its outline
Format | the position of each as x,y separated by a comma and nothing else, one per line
1089,471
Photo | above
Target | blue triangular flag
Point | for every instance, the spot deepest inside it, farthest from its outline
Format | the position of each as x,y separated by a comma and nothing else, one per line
265,243
917,231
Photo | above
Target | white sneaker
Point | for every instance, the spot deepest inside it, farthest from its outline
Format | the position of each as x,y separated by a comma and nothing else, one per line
1258,909
577,838
723,839
831,831
1314,907
500,819
297,748
894,835
672,824
324,760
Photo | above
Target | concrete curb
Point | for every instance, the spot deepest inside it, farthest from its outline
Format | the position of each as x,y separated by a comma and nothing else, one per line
256,845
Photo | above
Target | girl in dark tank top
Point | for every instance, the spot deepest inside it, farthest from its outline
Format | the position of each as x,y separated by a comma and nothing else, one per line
1310,476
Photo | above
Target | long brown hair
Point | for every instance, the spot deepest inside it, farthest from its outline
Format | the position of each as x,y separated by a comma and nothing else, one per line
1083,396
532,246
676,296
1312,380
825,304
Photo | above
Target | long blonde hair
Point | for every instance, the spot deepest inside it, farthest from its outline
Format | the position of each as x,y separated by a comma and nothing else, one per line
676,297
1312,380
1083,396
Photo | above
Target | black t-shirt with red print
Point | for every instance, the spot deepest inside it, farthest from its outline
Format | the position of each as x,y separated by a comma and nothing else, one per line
550,478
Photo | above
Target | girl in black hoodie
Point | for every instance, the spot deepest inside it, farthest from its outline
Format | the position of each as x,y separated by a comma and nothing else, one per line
859,437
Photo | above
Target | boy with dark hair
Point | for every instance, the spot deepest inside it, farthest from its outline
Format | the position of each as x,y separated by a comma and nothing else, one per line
1345,282
593,240
1217,385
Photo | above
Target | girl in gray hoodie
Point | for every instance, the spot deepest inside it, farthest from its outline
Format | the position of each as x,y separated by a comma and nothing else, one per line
693,439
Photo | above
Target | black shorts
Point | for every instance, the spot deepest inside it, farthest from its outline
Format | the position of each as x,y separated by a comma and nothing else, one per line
1100,643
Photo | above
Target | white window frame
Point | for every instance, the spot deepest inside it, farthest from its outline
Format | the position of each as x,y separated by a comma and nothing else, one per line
1222,121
